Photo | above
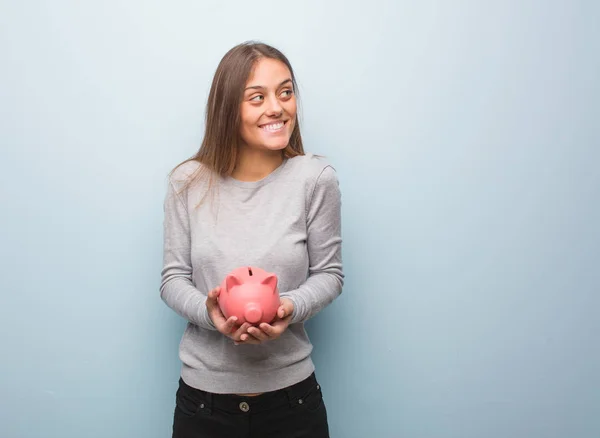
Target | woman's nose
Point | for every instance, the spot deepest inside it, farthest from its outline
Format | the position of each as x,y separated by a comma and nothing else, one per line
274,107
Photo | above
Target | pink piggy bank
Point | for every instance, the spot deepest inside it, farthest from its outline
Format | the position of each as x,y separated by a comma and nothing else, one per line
250,294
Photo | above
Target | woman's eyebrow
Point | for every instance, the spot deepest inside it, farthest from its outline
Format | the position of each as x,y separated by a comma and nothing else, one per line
261,87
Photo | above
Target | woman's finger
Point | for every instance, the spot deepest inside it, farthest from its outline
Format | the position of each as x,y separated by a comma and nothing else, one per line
282,312
271,331
215,314
285,309
258,334
229,325
213,295
239,332
211,299
247,339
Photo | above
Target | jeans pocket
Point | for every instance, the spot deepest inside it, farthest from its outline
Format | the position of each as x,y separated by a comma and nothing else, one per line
189,401
313,399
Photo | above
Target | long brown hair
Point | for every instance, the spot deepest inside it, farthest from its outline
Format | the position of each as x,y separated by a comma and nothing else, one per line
219,149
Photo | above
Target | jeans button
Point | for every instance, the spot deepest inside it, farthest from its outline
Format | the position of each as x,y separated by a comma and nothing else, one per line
244,407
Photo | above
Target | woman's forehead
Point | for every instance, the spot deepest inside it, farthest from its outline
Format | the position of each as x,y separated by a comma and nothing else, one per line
268,73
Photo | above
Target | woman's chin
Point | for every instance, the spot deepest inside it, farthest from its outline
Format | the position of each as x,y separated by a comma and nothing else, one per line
275,145
269,144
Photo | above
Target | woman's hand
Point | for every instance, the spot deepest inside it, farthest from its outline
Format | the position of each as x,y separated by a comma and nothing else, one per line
223,325
268,332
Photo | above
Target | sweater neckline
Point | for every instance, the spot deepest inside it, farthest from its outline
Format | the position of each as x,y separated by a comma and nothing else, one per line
258,183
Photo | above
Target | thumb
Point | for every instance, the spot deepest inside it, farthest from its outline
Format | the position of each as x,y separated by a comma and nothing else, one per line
211,300
213,294
286,308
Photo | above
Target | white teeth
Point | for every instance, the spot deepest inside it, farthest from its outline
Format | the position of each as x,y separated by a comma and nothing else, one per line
273,126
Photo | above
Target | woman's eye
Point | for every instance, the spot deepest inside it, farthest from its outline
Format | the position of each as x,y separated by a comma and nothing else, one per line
287,93
256,98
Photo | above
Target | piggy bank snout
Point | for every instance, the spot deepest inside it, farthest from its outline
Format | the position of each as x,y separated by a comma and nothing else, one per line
253,313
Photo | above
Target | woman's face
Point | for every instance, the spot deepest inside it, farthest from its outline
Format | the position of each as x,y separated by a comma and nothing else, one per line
268,110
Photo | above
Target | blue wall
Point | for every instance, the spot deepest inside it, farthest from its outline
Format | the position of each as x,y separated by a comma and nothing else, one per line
467,144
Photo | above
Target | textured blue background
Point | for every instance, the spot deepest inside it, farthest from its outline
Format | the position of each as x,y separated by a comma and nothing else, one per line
466,139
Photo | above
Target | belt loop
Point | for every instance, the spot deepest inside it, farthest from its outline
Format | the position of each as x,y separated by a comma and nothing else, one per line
290,395
209,402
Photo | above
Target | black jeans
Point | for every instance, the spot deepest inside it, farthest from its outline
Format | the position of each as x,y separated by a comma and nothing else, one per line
294,412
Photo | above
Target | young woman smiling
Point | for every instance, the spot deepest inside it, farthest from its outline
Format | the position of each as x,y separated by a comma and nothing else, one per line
251,196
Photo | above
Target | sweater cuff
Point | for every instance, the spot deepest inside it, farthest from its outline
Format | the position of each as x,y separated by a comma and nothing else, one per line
203,316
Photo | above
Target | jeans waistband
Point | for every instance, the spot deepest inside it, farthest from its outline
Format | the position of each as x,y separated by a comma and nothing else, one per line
292,395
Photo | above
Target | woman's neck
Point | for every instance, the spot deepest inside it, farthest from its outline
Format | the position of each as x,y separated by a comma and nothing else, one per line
254,165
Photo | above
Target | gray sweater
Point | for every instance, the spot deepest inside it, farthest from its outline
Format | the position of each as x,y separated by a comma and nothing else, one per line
287,223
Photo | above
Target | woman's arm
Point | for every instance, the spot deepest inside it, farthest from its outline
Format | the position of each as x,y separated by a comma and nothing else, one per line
176,288
324,243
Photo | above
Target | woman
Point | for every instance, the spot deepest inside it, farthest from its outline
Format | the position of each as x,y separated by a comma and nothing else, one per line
251,197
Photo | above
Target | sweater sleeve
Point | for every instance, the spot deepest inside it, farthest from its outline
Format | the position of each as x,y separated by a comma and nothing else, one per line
177,289
324,243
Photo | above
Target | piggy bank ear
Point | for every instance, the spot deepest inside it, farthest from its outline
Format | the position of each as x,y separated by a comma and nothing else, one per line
271,281
231,281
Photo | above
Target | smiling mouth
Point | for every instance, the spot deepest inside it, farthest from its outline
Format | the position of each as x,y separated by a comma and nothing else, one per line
274,127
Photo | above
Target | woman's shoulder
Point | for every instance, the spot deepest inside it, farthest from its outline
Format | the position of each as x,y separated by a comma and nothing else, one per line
315,173
184,171
186,174
312,166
